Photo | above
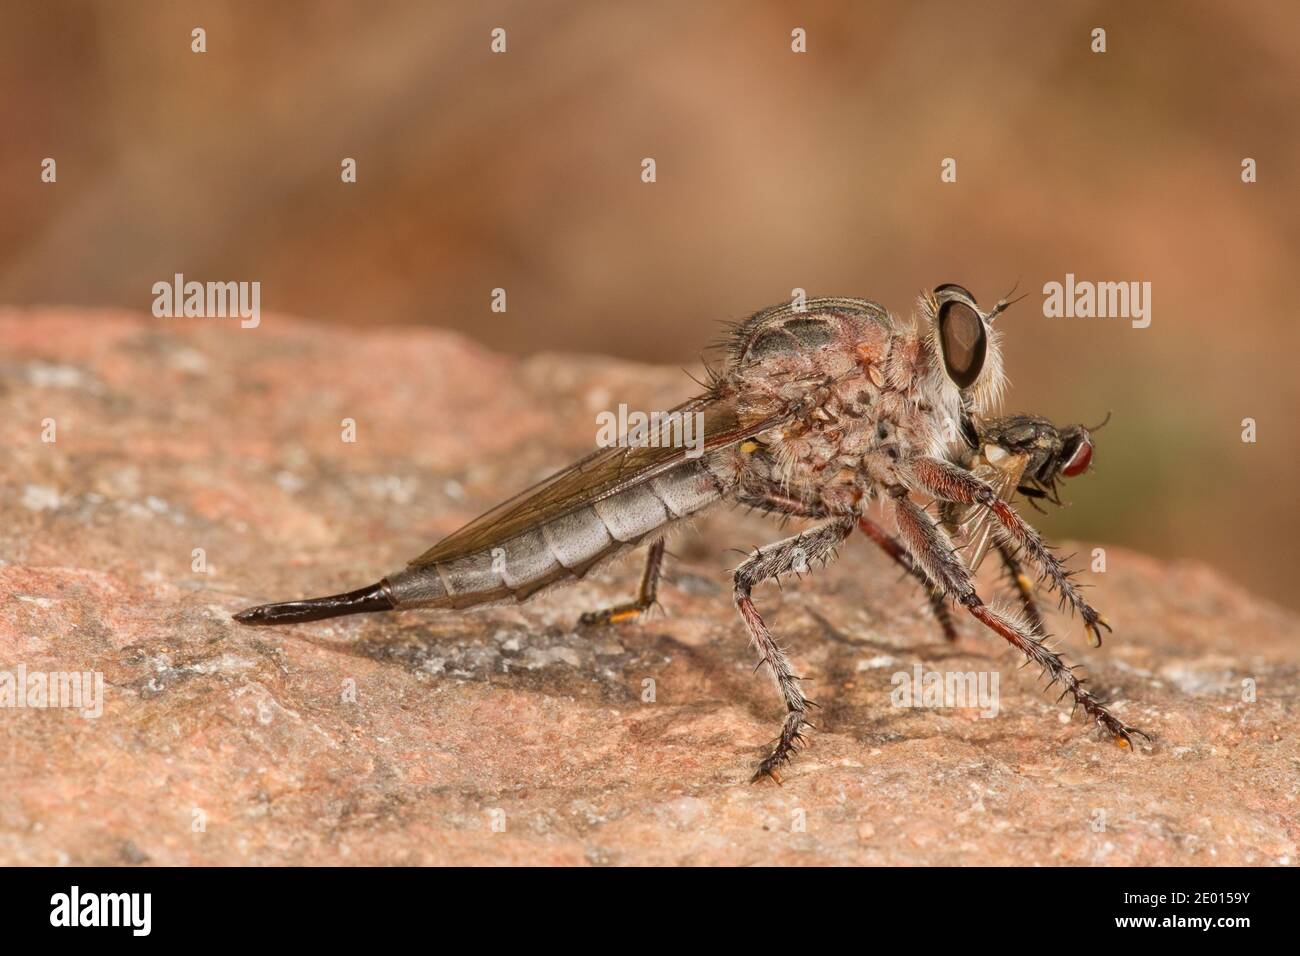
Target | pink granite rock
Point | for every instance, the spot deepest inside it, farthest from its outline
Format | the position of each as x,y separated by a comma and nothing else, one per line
509,735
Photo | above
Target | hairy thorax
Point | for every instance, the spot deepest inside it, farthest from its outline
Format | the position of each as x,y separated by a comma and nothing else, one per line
866,405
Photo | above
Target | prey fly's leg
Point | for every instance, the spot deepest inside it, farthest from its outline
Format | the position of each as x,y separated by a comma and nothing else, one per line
933,551
796,553
895,550
1024,587
947,482
645,597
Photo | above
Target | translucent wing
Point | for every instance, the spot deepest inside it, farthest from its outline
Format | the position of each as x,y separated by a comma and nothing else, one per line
973,525
601,474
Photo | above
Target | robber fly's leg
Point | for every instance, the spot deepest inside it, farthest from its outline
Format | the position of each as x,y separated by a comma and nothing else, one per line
777,503
947,482
933,550
890,545
1024,587
774,502
645,597
796,553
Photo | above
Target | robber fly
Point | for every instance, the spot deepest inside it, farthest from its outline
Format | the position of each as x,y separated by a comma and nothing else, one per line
818,410
1023,454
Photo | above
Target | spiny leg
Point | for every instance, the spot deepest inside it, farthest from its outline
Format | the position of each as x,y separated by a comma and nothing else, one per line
934,552
949,483
1024,587
895,550
776,502
796,553
645,597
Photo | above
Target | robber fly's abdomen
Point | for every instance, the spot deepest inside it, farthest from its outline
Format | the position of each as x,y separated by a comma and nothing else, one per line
565,548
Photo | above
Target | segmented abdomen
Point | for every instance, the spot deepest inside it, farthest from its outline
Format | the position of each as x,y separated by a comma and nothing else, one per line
567,547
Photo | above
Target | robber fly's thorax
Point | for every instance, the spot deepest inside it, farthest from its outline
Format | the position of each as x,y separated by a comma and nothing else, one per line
869,393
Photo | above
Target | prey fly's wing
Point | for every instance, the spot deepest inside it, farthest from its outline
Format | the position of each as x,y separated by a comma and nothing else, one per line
603,473
974,525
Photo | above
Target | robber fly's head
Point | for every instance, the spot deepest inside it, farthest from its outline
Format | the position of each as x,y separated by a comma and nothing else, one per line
965,343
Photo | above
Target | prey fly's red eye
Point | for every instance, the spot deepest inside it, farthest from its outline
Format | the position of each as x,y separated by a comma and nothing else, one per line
1079,459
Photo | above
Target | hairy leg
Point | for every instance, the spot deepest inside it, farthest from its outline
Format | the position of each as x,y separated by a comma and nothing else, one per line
895,550
645,598
933,551
796,553
774,501
947,482
1024,587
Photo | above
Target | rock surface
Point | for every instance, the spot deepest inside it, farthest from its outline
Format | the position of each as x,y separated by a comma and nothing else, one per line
509,736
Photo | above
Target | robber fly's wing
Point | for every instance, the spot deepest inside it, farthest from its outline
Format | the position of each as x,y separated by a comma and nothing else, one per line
975,524
601,474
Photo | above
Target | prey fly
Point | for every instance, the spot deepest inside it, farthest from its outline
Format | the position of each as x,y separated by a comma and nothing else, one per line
819,410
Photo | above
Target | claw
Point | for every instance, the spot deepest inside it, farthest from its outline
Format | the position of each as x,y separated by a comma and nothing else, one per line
1122,734
1093,629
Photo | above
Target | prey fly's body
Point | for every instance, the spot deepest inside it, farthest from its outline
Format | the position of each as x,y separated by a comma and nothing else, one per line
818,412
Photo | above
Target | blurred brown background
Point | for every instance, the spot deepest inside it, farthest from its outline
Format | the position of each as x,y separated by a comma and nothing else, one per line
775,171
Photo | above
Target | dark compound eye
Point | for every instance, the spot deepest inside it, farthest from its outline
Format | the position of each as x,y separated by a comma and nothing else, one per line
952,287
1080,457
964,342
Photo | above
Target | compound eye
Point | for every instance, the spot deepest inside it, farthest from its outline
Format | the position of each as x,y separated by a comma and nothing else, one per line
951,288
1080,458
963,340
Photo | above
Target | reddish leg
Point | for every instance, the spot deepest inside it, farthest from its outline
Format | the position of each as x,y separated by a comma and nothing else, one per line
933,551
947,482
1024,588
891,547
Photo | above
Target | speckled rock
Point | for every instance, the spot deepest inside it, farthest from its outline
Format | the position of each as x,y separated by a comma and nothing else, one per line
197,468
